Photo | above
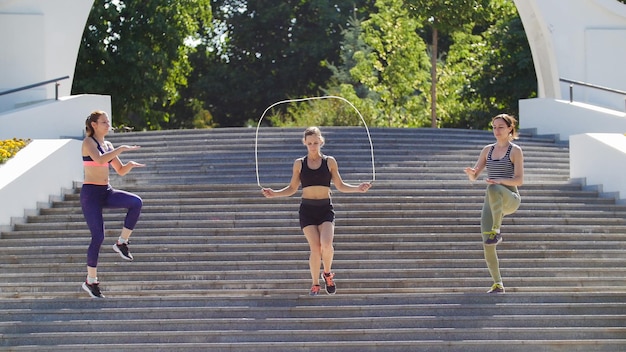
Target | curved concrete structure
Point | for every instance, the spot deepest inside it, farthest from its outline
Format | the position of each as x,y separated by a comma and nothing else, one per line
583,40
39,41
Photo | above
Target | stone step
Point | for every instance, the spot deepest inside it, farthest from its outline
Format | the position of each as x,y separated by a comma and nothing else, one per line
423,208
476,345
416,313
216,277
177,229
220,268
313,335
546,264
447,195
195,253
445,303
393,322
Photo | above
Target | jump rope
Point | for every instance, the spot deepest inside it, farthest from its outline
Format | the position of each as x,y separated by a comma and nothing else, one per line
256,137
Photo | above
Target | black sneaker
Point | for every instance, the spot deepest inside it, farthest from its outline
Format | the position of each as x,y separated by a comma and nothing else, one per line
329,283
93,290
122,249
493,239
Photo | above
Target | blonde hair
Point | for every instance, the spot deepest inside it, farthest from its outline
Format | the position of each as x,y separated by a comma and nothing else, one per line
510,122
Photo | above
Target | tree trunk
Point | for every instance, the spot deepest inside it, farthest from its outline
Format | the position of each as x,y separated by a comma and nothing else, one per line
433,80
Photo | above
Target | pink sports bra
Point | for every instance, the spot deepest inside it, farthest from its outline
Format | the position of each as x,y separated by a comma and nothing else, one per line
88,161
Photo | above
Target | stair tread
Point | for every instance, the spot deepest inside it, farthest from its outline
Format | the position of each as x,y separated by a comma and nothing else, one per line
409,262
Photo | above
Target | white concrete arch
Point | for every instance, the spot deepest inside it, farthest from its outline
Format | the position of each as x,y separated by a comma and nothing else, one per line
583,40
39,41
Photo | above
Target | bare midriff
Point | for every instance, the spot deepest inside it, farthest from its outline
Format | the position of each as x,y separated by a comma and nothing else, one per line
316,192
96,175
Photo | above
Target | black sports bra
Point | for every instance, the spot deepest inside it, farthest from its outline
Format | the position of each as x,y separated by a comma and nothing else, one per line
315,177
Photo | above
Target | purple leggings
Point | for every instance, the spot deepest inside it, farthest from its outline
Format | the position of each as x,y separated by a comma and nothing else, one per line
94,198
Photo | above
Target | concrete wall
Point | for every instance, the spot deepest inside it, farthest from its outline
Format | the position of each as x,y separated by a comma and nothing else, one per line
63,118
589,153
562,118
582,40
42,169
39,41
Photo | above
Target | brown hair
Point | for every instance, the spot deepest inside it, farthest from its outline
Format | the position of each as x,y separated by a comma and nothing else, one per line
93,117
510,122
313,131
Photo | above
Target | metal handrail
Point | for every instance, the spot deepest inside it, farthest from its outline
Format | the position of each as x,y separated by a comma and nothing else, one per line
56,87
594,86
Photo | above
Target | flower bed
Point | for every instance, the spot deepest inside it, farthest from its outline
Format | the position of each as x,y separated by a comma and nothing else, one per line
9,147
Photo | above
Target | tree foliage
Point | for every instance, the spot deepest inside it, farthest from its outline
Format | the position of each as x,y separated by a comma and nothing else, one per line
503,69
384,67
266,51
342,83
137,52
396,65
444,17
247,55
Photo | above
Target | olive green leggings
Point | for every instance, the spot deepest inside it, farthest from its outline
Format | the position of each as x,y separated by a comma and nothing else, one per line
499,201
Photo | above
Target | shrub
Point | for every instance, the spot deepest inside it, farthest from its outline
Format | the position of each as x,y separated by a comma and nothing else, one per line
10,147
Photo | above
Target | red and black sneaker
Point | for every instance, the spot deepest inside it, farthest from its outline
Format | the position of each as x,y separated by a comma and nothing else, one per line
329,283
315,290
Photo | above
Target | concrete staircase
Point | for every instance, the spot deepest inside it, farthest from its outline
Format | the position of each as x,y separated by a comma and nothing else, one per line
218,267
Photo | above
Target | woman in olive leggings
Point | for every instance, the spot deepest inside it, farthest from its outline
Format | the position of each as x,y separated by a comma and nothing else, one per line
504,162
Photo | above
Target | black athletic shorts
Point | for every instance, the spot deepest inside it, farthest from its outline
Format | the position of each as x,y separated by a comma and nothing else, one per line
316,212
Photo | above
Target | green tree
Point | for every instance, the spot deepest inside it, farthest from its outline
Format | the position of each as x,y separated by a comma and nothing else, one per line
138,52
456,72
503,70
393,65
351,44
343,84
445,16
265,51
466,99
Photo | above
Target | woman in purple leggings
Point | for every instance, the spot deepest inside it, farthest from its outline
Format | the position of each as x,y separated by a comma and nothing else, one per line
97,194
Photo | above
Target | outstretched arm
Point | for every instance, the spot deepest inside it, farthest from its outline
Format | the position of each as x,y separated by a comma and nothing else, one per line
340,184
290,189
